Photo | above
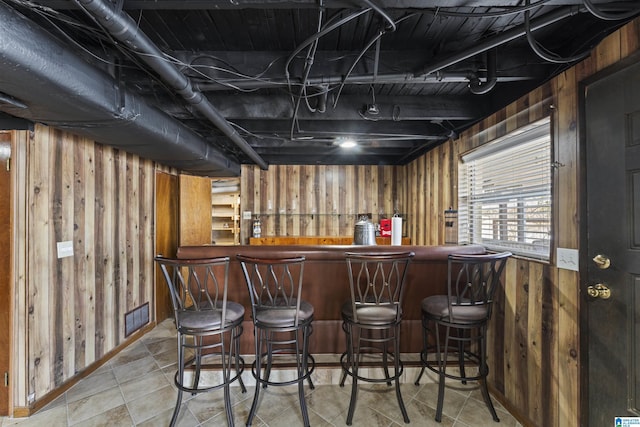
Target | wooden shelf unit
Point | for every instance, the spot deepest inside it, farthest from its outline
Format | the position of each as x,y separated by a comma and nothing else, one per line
225,218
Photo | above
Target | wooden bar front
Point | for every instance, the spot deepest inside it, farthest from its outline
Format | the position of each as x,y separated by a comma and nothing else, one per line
326,285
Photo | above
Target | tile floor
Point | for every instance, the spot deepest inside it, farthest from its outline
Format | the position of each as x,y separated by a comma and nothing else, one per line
136,389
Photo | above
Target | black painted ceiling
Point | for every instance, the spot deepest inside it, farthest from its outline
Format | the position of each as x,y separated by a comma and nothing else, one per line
293,78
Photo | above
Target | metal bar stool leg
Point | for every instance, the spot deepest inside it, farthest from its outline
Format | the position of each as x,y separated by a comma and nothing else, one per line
484,371
423,352
179,374
396,358
347,330
301,366
256,395
236,355
355,362
385,355
442,355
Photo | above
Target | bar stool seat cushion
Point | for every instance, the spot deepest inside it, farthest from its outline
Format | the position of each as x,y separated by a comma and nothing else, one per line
371,314
210,319
282,317
437,306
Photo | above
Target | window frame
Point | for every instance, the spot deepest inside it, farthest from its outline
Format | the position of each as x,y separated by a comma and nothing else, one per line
538,198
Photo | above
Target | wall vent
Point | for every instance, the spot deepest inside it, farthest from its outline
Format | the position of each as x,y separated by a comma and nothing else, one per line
136,319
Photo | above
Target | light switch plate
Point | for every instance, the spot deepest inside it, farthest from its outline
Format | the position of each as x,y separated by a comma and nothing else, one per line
65,249
246,214
568,259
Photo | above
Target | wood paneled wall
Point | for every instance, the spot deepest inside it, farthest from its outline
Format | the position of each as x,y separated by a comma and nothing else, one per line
318,200
69,312
534,338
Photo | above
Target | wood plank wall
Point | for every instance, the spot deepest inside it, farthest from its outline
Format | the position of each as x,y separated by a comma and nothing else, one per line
534,341
318,200
71,313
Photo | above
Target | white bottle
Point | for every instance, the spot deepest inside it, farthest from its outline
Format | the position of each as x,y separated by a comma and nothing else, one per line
257,228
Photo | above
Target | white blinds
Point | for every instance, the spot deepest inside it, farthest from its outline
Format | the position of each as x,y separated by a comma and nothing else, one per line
504,193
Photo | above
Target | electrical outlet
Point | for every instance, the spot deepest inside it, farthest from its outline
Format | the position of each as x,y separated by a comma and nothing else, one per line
569,259
65,249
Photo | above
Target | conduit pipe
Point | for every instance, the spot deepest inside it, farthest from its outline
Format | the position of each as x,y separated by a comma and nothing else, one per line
125,29
501,39
476,86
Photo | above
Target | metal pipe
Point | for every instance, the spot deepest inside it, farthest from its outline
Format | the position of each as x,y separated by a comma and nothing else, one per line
122,27
355,79
476,86
503,38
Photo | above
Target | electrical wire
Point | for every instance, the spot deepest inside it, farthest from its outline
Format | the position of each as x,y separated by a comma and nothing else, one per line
381,12
307,69
510,11
608,16
542,52
353,65
366,48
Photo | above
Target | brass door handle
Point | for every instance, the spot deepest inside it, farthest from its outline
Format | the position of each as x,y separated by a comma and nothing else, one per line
602,261
599,290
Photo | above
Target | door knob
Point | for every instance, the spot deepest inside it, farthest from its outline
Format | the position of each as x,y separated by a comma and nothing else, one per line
599,290
602,261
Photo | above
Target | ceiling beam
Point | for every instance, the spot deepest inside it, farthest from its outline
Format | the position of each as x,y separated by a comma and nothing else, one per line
399,108
298,4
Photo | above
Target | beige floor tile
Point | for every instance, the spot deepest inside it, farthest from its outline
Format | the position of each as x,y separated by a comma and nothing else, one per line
144,385
93,384
55,417
135,369
328,401
421,414
185,419
98,403
148,406
135,351
167,358
162,345
116,417
453,399
477,414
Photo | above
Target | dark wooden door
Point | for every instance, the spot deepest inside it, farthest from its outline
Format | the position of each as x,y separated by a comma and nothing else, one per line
612,335
5,264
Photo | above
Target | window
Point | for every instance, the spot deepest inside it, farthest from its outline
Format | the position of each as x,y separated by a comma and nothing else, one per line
504,193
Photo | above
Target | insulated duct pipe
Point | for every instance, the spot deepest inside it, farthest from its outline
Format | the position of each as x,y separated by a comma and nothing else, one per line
43,81
125,29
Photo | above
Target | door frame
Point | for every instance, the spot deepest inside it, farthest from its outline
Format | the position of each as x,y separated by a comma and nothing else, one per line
584,258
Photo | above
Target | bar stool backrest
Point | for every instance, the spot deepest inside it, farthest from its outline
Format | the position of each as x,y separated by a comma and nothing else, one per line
274,283
377,279
197,284
472,282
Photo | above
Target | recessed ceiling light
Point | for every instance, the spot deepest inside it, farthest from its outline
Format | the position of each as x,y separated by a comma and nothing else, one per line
348,143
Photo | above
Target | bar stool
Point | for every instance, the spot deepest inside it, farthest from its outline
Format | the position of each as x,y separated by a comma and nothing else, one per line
282,323
207,323
458,322
371,318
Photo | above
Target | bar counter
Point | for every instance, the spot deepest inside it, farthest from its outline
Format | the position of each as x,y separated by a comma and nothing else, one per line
317,240
326,285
